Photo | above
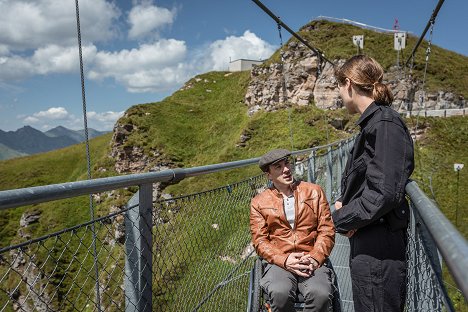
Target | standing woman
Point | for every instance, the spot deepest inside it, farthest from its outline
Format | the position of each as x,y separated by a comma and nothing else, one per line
372,210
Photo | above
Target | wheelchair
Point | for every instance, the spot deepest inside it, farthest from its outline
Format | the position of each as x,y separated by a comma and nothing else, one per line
258,299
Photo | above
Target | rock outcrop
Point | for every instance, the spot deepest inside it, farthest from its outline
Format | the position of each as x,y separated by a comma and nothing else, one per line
300,80
26,265
292,82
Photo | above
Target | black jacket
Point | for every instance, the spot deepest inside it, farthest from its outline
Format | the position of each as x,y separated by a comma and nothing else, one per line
373,184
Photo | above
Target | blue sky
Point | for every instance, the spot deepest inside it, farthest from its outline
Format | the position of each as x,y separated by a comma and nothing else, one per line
141,51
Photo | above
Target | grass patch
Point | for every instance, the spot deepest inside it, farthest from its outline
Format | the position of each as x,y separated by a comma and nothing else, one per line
444,144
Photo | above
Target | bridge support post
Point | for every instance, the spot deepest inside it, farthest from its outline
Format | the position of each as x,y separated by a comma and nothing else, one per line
311,167
138,252
329,187
340,168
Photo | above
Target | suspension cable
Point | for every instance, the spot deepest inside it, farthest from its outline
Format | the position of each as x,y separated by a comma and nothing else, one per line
422,95
283,80
428,53
319,53
284,90
88,157
429,23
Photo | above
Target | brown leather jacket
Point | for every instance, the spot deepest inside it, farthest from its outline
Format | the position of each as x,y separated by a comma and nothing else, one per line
272,235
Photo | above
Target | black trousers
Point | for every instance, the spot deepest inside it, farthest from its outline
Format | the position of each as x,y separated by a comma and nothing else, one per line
378,269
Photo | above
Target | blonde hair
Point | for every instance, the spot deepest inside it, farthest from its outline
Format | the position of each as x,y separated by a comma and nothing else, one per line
366,74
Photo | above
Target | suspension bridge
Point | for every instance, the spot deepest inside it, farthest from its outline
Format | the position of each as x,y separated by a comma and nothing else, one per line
165,260
153,255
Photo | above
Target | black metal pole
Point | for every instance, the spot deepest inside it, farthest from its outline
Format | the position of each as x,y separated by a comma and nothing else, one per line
277,20
431,21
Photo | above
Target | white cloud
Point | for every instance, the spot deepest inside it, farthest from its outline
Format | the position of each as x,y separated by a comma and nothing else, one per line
146,18
49,59
39,38
56,59
52,117
166,63
29,24
151,67
52,113
59,116
14,68
247,46
4,50
103,121
30,120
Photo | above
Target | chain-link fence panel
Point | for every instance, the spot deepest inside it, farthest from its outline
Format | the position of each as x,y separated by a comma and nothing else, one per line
201,258
201,249
59,272
425,288
325,167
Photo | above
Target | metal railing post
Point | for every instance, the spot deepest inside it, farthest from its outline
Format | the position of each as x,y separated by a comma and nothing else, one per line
138,255
340,168
146,262
311,170
131,256
427,246
329,184
449,242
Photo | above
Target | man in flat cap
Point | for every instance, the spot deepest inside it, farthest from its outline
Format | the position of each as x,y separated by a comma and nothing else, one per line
293,232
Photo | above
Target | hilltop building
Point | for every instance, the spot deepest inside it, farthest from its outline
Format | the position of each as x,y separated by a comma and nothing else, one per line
242,64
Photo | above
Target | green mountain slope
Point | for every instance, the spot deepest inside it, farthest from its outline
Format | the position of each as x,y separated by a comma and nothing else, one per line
63,165
203,125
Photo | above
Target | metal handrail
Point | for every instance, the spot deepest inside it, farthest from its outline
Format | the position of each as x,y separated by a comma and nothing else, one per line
39,194
451,244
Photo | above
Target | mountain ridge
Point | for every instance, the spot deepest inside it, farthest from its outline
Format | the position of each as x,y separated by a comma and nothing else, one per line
28,140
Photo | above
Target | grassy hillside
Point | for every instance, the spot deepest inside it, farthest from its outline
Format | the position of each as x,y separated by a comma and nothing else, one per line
63,165
444,144
195,127
202,124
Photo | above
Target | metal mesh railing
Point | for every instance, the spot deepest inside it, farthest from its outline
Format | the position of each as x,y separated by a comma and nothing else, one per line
426,289
424,292
201,248
190,253
56,272
200,251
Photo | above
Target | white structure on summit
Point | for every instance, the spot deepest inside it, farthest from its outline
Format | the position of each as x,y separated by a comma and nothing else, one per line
242,64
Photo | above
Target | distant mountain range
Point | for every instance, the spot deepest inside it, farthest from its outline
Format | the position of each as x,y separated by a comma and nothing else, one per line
27,140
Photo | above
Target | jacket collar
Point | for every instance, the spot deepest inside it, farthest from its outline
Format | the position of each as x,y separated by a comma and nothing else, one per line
278,194
370,110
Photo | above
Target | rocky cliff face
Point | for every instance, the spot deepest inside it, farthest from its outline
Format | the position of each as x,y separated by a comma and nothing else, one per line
301,81
132,159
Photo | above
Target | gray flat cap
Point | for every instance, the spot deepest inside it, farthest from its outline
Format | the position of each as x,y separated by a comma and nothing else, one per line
272,157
